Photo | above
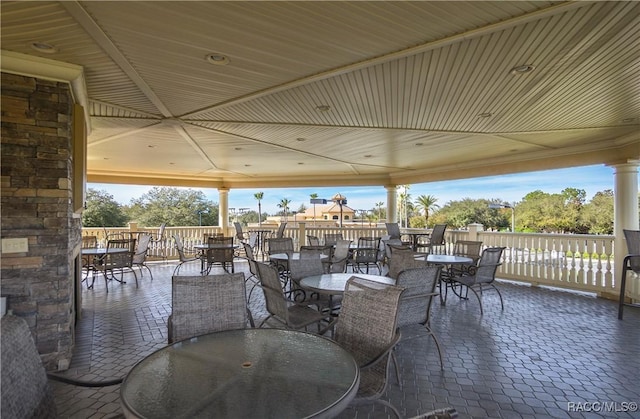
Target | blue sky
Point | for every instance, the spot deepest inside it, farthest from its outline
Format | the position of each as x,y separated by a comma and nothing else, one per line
509,188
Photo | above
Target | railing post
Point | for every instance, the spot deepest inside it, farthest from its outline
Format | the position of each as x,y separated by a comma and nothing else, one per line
133,226
302,234
473,231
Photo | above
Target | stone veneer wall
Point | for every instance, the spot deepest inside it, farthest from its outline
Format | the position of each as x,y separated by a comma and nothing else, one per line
37,204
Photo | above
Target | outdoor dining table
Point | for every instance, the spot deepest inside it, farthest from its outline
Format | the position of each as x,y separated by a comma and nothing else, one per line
445,277
335,283
261,373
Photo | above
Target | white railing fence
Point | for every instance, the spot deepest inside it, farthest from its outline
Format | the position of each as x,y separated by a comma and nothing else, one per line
574,261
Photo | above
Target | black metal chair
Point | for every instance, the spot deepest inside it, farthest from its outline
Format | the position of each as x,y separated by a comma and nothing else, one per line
631,263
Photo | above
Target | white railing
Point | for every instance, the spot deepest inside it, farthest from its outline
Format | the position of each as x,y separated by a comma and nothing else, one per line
574,261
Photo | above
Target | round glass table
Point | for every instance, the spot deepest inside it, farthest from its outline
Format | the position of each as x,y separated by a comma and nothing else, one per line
262,373
335,283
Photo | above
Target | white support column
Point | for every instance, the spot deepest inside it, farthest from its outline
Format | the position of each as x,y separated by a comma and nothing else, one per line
223,209
392,204
625,208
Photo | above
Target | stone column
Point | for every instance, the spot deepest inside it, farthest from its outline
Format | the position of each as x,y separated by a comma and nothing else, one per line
392,204
625,206
223,209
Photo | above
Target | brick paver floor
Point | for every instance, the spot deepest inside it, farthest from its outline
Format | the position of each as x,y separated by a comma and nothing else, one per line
550,353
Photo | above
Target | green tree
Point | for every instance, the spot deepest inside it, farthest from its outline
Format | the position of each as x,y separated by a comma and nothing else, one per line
102,210
314,196
426,203
381,212
597,214
258,196
405,206
459,214
284,205
174,206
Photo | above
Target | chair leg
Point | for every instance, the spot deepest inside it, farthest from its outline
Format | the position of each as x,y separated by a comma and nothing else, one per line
395,365
499,295
623,284
435,339
478,297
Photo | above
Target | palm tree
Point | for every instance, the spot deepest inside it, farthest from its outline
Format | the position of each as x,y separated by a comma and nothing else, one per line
427,203
379,206
284,204
259,196
314,196
403,203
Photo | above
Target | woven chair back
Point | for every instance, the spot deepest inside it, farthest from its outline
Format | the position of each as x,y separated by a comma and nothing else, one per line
419,288
207,304
402,257
633,247
142,247
273,294
280,245
332,239
488,264
367,326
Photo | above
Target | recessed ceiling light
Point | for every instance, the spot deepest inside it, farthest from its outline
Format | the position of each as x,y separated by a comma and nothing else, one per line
171,163
151,146
247,165
217,59
419,144
522,69
300,163
323,108
44,47
367,156
627,120
301,139
238,148
485,115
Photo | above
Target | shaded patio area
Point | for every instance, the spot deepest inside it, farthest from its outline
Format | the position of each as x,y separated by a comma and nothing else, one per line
548,353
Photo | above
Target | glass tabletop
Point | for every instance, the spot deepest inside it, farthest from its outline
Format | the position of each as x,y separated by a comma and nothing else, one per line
262,373
335,283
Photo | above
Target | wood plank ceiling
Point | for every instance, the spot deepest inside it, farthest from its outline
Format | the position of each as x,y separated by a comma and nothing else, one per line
343,93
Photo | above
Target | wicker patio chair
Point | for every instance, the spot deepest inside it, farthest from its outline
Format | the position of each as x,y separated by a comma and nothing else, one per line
631,262
340,256
280,232
469,249
332,239
140,255
158,244
301,268
205,304
435,239
485,275
415,305
313,240
286,312
240,235
401,258
88,261
393,229
183,256
26,392
253,269
365,256
367,328
111,263
223,256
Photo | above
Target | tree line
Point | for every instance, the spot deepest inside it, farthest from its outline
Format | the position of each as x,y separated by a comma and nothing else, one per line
538,212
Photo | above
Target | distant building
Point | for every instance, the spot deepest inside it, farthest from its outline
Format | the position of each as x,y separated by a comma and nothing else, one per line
329,211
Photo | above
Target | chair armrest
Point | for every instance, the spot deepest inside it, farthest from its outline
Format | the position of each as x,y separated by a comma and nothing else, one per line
82,383
384,353
328,327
